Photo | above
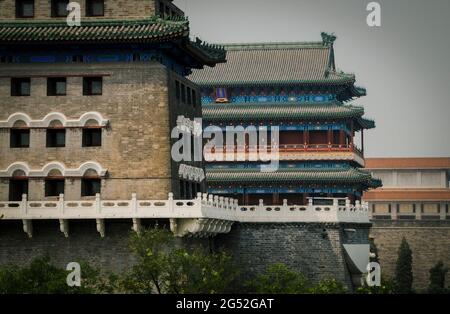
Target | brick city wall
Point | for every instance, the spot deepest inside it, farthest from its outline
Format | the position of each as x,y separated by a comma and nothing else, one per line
308,248
135,146
114,9
429,242
314,249
111,253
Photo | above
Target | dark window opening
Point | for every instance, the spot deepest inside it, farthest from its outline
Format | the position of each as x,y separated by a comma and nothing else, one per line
56,86
77,58
6,59
177,90
188,190
189,96
20,138
183,93
54,187
59,8
136,57
90,187
95,7
92,137
20,86
24,8
56,137
161,9
194,98
92,86
17,187
182,189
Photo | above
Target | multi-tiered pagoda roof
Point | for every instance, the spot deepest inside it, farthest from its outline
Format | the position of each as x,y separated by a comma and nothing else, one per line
297,87
306,63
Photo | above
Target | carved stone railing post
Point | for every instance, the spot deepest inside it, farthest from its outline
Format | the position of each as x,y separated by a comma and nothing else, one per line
210,199
61,203
98,204
137,227
261,203
335,204
24,204
64,227
134,203
28,227
170,202
227,202
101,227
216,201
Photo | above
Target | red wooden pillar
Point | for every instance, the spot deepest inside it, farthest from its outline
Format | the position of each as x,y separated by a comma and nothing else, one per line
275,199
341,137
308,140
245,197
304,137
329,137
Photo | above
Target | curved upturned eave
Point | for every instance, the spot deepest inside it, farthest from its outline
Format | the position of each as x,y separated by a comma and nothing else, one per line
285,112
350,176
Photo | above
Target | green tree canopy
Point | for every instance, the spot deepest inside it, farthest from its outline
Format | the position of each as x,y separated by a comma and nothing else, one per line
403,270
164,267
437,279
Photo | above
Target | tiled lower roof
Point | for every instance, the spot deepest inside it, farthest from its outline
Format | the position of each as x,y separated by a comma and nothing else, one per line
150,30
276,112
281,112
303,176
147,30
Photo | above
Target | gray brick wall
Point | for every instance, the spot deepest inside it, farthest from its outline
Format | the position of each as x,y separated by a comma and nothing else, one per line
429,242
313,249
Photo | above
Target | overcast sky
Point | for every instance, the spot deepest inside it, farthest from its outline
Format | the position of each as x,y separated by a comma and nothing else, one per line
404,64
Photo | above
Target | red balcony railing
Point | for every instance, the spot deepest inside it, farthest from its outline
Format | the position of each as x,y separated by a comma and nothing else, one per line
289,148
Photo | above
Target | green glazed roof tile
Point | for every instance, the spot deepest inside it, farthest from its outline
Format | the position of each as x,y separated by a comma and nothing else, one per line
274,63
303,176
151,29
282,112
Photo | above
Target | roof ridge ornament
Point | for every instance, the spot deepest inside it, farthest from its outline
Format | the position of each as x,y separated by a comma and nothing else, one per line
328,39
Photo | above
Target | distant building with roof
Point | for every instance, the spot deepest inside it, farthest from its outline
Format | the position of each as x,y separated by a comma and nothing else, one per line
297,87
413,188
413,204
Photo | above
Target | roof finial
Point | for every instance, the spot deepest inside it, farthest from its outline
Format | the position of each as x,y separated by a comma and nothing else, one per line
328,39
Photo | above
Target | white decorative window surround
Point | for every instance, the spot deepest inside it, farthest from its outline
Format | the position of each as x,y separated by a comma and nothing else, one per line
66,172
52,116
191,173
